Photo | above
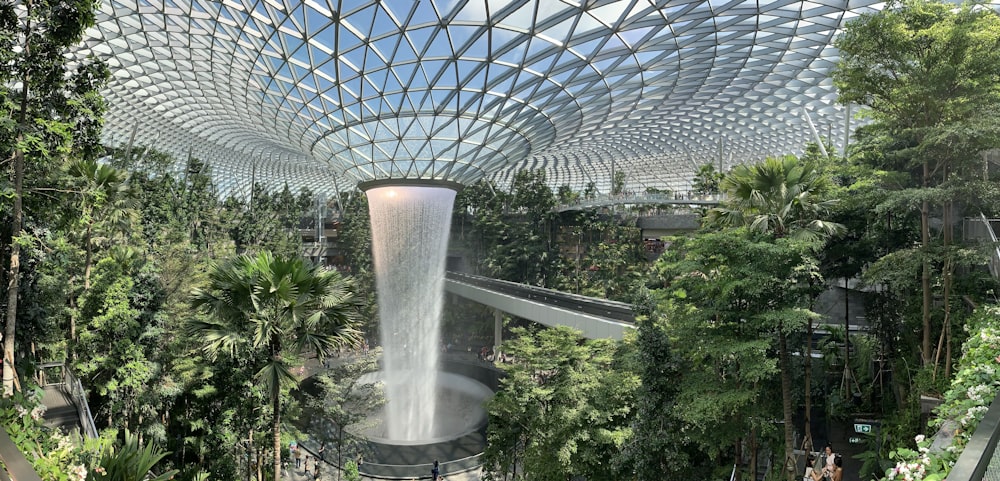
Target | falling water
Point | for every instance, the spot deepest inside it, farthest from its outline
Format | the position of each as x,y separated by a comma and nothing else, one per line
410,226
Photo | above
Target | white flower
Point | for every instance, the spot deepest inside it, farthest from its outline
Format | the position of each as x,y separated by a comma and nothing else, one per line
37,412
79,471
919,438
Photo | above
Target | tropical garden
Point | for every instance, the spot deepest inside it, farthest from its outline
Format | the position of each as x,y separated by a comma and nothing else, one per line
188,313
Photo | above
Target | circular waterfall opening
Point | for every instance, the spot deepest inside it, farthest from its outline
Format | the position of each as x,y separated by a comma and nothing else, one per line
458,409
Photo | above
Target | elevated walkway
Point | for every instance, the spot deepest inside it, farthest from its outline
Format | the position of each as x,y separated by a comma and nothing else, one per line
605,200
596,318
984,230
65,400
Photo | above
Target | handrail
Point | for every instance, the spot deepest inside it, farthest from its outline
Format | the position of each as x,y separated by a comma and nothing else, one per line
619,311
395,471
79,397
16,464
990,235
689,197
975,459
995,255
400,471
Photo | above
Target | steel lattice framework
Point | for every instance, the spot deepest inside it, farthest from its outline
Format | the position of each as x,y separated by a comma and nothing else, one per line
325,94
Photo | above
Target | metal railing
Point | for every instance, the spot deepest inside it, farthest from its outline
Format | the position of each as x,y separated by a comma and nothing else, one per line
78,395
980,461
392,471
688,197
16,466
618,311
983,229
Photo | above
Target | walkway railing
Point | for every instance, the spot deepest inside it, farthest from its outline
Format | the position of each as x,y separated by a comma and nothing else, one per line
76,394
983,229
980,461
618,311
16,466
391,471
684,198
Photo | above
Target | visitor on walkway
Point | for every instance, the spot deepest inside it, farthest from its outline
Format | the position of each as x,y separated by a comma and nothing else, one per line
435,471
829,456
298,458
306,468
322,450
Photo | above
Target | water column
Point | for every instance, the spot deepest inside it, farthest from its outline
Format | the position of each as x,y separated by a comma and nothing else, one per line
410,225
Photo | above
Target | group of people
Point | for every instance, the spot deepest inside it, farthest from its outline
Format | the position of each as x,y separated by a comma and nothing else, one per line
296,453
832,467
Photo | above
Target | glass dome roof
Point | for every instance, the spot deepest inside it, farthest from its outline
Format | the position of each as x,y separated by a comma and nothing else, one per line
326,94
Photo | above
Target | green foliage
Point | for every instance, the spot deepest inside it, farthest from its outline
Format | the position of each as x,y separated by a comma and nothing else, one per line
269,220
975,385
351,471
728,297
132,461
658,448
566,195
615,265
52,112
618,183
53,456
782,197
340,400
925,71
269,309
707,180
562,411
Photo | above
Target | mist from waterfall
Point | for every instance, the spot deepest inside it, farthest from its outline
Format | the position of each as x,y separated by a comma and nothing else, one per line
410,226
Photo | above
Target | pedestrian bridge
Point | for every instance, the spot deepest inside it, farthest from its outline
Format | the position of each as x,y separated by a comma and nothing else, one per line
682,198
596,318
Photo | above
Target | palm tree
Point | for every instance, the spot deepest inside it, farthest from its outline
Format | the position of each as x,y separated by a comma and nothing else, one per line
781,197
269,308
105,202
104,197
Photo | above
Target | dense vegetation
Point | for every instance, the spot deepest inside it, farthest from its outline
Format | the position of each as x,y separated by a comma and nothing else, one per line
103,250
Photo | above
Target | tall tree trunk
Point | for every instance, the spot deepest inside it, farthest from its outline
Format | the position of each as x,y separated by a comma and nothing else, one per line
16,229
949,267
250,450
276,428
89,255
925,277
13,274
786,406
807,375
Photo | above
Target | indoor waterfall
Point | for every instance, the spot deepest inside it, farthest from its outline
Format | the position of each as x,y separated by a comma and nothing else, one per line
410,226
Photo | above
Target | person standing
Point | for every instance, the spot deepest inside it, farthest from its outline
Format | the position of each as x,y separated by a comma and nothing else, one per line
298,458
435,471
829,456
322,450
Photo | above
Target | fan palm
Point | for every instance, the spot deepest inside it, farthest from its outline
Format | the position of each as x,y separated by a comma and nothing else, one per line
780,197
104,197
268,308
